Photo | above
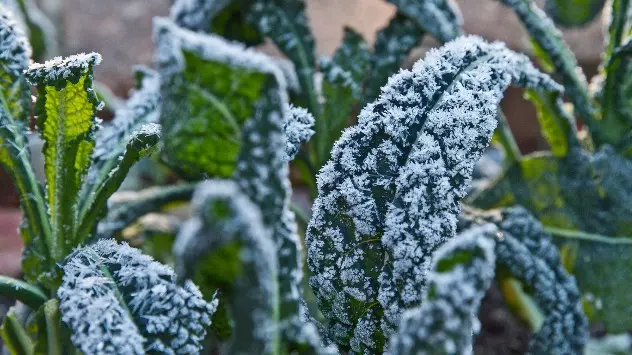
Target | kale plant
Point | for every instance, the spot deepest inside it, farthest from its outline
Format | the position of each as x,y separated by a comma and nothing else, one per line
396,264
92,292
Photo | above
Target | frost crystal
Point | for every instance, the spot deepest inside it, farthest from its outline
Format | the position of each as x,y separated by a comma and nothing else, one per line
461,273
224,216
119,301
298,129
390,192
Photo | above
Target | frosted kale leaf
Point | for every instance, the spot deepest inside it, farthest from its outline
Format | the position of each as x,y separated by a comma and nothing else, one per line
285,23
117,300
15,54
14,147
298,129
66,119
210,87
530,255
392,187
440,18
392,45
461,272
550,43
39,28
343,78
196,15
571,13
226,247
132,135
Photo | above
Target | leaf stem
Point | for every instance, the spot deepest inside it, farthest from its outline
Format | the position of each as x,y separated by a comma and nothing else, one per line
28,294
580,235
507,140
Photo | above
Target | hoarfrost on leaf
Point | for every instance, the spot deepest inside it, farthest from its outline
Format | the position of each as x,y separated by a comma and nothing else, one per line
461,272
298,129
119,301
389,195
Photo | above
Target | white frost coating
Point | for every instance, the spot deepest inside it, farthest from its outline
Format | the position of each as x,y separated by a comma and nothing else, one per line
170,40
394,180
446,321
15,51
15,54
298,129
59,70
196,15
223,215
108,290
531,256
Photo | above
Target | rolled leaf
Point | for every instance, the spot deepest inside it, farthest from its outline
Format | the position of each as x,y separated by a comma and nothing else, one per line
227,232
66,119
572,13
391,189
441,18
393,44
298,129
461,272
116,300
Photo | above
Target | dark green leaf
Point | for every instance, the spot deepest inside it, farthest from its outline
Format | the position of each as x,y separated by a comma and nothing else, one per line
392,46
66,108
440,18
571,13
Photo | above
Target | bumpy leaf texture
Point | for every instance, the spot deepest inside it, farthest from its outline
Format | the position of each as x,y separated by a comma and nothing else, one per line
39,28
461,272
66,119
440,18
226,222
15,54
116,300
528,253
388,197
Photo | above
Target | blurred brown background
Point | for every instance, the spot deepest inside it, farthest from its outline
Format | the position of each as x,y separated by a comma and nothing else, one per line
121,31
